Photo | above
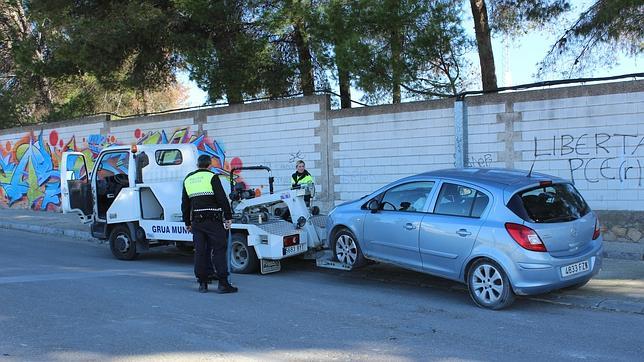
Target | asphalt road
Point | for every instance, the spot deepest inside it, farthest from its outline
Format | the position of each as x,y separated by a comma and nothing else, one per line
63,299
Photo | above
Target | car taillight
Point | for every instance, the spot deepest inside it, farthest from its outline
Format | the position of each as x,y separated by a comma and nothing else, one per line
526,237
291,240
597,232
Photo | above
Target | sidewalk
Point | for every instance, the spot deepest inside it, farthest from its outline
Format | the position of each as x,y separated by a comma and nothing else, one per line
618,287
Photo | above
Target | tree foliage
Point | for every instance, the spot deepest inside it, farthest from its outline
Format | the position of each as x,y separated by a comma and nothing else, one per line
606,28
65,58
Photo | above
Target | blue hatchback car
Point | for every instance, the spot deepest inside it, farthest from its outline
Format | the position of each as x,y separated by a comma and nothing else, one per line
502,232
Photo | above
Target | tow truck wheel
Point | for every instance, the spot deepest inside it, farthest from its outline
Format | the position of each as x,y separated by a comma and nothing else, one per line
243,259
121,243
346,249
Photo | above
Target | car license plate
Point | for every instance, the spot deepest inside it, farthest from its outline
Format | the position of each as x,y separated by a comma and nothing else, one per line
294,249
576,268
270,266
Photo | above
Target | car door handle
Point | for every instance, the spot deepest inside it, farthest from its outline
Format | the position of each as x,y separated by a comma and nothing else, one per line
409,226
463,232
110,196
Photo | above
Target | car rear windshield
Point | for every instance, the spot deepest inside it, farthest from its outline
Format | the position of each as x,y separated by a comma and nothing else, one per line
547,204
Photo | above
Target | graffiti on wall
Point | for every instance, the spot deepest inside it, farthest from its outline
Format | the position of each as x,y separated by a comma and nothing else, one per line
29,166
597,157
481,161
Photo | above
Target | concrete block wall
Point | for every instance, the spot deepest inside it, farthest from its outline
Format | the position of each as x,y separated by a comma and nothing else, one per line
593,135
273,137
373,146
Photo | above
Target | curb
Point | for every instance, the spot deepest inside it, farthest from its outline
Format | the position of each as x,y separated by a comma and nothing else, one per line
623,255
76,234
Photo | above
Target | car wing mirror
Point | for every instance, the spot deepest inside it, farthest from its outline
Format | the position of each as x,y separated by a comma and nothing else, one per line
374,205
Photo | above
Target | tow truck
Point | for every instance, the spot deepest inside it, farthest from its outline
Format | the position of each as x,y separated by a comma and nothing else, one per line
132,198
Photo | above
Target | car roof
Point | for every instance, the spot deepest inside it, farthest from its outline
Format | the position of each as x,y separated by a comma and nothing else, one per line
501,178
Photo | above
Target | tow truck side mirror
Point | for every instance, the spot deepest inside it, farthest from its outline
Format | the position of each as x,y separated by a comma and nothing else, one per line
141,161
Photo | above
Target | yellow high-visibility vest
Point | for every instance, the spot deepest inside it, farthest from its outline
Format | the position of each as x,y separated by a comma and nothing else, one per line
199,184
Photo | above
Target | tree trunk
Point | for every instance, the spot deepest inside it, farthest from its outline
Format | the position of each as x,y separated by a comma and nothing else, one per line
232,82
305,65
484,44
396,64
44,100
345,87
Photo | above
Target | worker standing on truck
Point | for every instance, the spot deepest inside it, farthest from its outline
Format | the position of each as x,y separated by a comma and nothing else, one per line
301,177
207,214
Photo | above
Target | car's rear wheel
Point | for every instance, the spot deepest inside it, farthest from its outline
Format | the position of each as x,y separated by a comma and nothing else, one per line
489,285
347,250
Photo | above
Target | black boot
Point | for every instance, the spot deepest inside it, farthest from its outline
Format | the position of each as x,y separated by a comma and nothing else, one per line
225,287
203,287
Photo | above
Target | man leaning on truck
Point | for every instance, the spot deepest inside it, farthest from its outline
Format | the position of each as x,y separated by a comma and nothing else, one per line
207,214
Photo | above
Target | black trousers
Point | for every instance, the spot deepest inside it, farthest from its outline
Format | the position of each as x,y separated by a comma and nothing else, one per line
210,239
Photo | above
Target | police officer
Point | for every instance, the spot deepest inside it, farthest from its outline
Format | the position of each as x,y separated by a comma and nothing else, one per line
207,215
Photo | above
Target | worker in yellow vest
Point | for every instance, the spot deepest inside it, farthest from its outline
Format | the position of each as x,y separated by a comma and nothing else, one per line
301,177
207,214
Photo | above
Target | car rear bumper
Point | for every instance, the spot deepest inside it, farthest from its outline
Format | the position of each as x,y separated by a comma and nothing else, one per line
539,277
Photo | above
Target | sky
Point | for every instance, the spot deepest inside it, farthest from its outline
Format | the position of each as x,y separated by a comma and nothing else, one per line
524,54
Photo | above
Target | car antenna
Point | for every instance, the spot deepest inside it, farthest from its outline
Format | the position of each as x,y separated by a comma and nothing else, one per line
531,167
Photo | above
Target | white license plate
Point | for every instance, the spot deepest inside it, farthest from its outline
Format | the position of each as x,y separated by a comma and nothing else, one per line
270,266
576,268
294,249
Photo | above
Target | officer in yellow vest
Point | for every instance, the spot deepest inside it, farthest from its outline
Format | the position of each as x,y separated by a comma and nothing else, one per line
207,214
301,177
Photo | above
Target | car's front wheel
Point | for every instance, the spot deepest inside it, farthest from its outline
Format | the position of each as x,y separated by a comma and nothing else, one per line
489,285
347,250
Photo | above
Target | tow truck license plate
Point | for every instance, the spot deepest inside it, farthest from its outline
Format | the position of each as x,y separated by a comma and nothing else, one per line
294,249
576,268
270,266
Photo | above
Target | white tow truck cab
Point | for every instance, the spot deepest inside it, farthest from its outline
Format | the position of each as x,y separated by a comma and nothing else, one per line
132,197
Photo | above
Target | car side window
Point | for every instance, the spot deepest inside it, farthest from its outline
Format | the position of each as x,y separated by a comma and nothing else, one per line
480,203
458,200
410,197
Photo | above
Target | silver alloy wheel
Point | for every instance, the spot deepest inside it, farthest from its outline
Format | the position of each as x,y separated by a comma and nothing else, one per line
122,242
346,249
239,256
487,284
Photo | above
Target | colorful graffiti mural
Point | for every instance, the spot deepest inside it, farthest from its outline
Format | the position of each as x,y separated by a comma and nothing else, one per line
29,167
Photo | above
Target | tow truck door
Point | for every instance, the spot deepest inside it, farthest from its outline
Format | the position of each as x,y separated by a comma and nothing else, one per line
76,186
